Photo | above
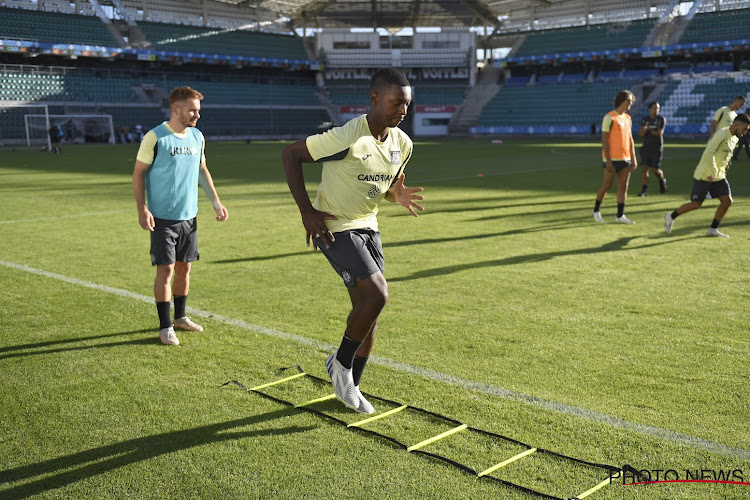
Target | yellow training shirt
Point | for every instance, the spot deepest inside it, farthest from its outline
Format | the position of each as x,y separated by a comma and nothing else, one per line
357,171
716,156
724,117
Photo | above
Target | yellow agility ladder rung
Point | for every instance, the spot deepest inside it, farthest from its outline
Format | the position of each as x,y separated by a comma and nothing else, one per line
278,381
595,488
377,417
313,401
437,438
510,460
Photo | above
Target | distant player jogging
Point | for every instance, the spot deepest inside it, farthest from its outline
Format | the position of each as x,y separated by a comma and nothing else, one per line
618,155
710,176
725,115
171,162
55,136
363,164
652,150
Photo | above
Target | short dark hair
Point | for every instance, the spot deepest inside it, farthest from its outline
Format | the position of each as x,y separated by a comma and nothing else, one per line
623,96
183,94
741,98
384,78
742,117
651,104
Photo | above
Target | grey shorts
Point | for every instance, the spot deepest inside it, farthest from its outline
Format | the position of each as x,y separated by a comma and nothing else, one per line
174,240
357,253
651,157
717,189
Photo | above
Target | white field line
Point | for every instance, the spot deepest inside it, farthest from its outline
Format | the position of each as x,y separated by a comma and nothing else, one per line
562,408
64,216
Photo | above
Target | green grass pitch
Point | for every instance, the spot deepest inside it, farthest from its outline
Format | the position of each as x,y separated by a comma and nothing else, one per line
510,310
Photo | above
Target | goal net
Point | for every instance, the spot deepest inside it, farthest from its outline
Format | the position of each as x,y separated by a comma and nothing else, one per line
76,129
12,123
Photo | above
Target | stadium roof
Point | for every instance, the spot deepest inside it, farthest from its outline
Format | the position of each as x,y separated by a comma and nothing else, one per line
505,16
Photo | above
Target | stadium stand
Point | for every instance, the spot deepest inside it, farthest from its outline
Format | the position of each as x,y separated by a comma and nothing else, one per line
234,105
53,27
563,108
175,37
717,26
689,103
602,36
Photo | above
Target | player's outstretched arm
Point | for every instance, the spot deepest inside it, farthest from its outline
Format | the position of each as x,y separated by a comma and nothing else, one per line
405,196
207,183
314,220
145,218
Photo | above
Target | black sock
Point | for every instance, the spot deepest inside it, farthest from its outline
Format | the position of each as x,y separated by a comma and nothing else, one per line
645,188
179,306
620,209
346,351
715,223
597,205
675,214
357,368
165,320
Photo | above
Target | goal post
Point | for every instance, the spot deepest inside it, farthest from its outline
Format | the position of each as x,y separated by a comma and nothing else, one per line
13,129
76,128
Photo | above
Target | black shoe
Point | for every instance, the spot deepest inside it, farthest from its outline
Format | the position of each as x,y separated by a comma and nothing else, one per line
663,186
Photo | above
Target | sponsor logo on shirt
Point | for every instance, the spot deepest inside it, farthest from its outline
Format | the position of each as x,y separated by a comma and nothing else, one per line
374,177
184,150
396,157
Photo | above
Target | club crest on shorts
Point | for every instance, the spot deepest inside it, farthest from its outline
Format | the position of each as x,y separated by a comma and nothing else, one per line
346,276
396,157
373,192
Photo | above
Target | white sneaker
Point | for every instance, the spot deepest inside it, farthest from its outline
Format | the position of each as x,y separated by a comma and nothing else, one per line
364,405
168,337
624,220
712,231
186,323
668,221
342,381
598,217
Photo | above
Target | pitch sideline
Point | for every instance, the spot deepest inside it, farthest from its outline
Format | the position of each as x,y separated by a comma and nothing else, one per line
593,416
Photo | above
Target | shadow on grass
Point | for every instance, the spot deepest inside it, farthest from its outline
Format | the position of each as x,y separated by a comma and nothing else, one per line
55,473
423,241
34,349
613,246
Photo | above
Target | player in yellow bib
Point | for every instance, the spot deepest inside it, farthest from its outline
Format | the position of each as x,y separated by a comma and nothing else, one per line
618,155
710,176
363,164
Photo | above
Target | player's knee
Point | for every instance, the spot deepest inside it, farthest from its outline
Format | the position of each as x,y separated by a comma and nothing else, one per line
378,296
183,268
164,272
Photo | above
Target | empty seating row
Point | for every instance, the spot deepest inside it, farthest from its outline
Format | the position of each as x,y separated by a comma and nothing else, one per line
586,38
557,105
53,27
692,102
716,26
181,38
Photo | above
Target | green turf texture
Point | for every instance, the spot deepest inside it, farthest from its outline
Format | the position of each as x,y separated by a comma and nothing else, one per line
505,280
